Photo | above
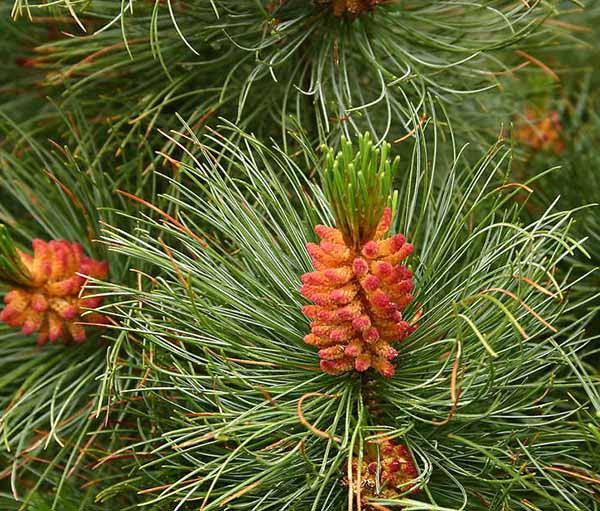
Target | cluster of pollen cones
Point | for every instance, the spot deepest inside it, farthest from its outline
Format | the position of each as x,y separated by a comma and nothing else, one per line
352,7
358,295
385,473
52,301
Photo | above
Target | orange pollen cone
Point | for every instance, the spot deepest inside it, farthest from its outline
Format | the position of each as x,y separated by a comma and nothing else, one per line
52,302
358,297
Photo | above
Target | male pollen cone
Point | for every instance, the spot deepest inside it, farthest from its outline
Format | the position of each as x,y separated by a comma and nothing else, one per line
358,295
52,301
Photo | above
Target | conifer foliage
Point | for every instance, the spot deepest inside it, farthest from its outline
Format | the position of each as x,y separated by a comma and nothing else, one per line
304,255
503,319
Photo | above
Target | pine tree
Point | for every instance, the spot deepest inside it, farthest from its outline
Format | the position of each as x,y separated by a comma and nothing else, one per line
297,254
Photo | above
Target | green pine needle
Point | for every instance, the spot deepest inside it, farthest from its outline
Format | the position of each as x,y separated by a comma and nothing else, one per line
358,187
12,270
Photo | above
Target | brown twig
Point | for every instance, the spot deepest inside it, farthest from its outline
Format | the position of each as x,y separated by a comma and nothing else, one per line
173,221
454,391
538,63
413,131
247,489
304,421
523,304
583,477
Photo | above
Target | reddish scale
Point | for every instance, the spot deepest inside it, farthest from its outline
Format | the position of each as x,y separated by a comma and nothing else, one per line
52,301
394,465
358,297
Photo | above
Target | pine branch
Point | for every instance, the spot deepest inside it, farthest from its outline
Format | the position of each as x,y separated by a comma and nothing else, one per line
61,404
337,74
240,407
